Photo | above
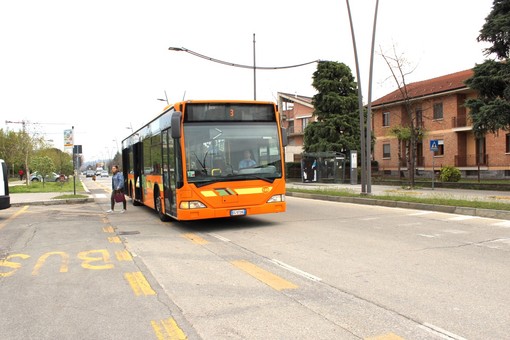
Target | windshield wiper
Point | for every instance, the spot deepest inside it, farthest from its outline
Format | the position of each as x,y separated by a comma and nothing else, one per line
247,176
205,182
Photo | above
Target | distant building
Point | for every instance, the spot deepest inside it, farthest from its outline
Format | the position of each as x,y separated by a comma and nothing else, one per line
439,106
297,113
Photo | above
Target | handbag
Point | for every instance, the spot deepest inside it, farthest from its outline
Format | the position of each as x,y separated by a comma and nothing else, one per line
118,197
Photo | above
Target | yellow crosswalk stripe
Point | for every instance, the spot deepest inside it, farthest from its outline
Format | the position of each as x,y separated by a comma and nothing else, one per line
123,255
114,239
108,229
168,330
195,238
266,277
139,284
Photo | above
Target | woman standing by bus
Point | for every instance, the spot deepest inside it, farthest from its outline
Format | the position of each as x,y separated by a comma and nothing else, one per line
117,189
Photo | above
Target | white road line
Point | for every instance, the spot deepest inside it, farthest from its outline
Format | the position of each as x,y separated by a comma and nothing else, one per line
296,271
454,231
420,213
429,236
442,333
224,239
100,195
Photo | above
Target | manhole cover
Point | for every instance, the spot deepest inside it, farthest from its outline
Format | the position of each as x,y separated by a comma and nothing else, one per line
128,232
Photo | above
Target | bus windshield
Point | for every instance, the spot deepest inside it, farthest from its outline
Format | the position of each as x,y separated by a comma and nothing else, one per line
227,151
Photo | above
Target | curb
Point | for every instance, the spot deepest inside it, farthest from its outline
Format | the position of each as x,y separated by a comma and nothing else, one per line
498,214
55,202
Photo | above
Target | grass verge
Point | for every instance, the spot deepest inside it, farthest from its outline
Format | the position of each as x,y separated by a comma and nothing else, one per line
66,189
413,199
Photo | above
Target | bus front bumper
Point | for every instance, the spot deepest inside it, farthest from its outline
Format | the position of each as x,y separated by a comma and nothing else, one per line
204,213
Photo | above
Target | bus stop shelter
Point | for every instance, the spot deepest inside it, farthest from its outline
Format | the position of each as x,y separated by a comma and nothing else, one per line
328,166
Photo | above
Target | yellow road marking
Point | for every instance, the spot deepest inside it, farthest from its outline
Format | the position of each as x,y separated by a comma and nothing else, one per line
139,284
108,229
22,210
266,277
103,257
114,239
14,265
168,330
195,239
389,336
123,255
64,266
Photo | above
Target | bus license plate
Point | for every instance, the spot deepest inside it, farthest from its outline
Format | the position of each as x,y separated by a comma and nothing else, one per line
238,212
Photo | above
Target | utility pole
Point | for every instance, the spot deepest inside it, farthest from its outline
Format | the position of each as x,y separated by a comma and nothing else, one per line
254,71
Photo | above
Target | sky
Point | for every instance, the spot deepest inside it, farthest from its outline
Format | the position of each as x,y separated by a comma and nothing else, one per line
100,66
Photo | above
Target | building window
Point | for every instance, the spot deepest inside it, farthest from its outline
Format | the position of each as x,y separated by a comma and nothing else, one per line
438,111
290,126
386,151
304,123
507,149
419,118
386,119
440,148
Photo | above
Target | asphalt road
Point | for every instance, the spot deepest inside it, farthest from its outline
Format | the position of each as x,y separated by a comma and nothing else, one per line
322,270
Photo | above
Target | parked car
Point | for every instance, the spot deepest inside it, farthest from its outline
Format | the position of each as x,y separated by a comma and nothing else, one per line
104,173
90,173
53,177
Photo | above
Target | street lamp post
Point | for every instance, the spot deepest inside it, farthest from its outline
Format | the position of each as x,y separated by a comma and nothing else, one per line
254,71
366,135
164,100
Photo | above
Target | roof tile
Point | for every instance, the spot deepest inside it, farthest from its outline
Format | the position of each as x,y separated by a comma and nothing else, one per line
428,87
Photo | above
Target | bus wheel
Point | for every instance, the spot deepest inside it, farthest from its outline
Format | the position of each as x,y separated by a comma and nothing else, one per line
159,208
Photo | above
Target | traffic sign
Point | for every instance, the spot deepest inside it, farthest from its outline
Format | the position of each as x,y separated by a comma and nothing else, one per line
434,145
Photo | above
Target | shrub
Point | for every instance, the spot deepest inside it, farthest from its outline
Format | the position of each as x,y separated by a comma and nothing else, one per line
449,174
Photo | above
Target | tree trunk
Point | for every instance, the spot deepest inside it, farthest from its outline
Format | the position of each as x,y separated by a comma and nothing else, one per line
412,157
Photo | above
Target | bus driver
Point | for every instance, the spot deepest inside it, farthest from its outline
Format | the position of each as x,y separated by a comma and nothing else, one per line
247,162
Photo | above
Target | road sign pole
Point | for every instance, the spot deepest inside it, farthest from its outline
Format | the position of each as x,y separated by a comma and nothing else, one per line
434,147
433,172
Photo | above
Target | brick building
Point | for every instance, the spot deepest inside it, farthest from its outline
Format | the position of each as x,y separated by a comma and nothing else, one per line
439,107
297,113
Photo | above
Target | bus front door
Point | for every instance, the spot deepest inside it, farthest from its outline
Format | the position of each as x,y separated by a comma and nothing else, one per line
137,169
169,174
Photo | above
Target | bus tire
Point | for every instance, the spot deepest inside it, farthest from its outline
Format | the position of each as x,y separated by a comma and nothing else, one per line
158,204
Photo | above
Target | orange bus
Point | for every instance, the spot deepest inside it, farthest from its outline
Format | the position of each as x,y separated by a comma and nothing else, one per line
207,159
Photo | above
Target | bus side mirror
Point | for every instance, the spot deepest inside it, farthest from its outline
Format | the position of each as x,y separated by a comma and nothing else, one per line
285,140
176,125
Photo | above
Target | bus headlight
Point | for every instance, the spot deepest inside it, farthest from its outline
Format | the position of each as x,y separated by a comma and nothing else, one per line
276,198
192,205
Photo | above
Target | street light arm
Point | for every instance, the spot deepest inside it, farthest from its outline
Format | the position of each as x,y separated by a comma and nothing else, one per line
251,67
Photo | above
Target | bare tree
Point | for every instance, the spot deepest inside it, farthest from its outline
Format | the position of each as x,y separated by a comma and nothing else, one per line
397,64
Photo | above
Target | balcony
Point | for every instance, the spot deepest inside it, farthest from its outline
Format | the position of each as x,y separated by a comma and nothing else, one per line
293,131
461,124
472,160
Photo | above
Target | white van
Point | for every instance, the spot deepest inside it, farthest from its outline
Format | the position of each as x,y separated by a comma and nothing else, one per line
5,200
